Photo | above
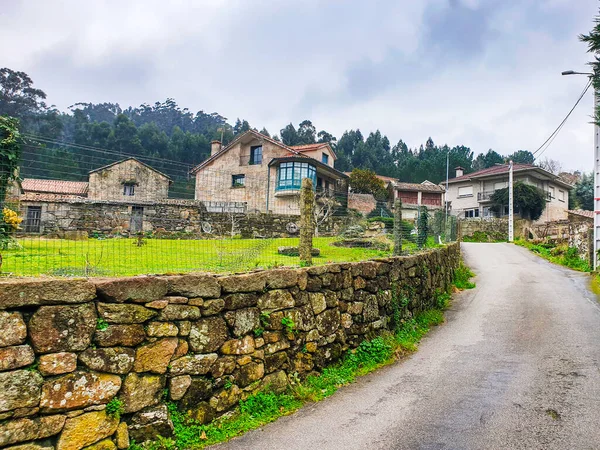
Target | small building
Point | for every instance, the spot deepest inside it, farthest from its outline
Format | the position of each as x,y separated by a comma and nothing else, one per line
469,195
264,175
414,195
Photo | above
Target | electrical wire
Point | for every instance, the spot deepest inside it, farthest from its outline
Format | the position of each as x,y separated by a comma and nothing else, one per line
552,136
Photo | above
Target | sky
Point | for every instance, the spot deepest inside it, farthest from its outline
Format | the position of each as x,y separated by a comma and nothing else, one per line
480,73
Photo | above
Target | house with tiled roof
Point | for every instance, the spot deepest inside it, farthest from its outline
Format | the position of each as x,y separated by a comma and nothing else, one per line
414,195
470,195
264,174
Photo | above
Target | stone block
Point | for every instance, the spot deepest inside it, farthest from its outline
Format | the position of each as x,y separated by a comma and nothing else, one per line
117,360
212,307
155,357
207,335
78,390
46,444
162,329
117,335
328,321
19,389
200,389
276,300
193,364
222,366
57,363
179,312
178,386
105,444
141,391
194,286
134,289
62,327
243,321
249,373
15,357
281,279
243,346
86,429
150,423
226,399
125,313
157,304
22,430
276,361
16,293
251,282
317,300
238,301
122,436
13,330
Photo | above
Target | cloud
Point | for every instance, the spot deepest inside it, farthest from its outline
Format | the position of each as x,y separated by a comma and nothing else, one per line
483,73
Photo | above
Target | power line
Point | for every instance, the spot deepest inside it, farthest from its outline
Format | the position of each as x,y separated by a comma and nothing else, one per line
551,138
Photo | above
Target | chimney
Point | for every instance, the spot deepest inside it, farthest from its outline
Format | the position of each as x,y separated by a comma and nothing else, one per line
459,171
215,147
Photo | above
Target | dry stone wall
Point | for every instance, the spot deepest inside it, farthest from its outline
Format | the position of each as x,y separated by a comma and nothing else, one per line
70,347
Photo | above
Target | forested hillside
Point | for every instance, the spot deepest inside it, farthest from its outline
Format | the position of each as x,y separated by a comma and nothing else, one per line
67,144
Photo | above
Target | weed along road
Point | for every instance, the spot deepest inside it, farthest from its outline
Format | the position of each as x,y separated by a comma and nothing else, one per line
516,365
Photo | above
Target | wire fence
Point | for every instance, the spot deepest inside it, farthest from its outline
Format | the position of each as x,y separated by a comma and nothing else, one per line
84,211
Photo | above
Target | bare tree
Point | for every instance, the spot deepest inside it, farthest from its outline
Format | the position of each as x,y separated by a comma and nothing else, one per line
325,206
551,165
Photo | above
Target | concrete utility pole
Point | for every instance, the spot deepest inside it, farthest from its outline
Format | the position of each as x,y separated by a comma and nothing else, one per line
596,169
511,225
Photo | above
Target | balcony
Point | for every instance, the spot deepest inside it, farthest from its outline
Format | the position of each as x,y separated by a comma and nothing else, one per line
485,196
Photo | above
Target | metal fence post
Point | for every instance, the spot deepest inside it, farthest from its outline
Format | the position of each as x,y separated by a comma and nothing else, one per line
398,227
307,206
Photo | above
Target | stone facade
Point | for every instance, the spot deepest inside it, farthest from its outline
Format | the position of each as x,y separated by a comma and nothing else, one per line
259,191
202,341
169,217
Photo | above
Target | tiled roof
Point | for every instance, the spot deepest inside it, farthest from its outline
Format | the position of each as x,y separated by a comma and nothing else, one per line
308,147
582,212
496,170
55,186
419,187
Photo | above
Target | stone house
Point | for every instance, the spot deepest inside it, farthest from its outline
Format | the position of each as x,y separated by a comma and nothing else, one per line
258,174
53,205
469,195
415,195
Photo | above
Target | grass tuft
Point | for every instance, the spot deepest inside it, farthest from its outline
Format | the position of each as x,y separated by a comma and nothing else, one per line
462,277
558,254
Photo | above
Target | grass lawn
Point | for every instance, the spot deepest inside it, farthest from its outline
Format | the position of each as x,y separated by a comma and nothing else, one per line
112,257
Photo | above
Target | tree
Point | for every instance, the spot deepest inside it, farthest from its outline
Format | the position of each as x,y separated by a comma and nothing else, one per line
325,137
489,159
241,126
289,135
306,133
592,39
18,97
522,157
583,193
551,165
264,132
529,201
366,182
10,153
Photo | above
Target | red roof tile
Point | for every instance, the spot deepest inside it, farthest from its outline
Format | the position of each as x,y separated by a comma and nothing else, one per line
55,186
582,212
496,170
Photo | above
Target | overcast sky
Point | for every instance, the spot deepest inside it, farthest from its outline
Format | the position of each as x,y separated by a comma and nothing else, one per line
481,73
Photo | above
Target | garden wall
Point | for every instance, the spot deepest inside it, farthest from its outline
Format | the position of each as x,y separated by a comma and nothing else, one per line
75,351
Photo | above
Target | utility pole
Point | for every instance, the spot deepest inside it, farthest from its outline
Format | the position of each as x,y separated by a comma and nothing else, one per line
596,166
511,231
446,196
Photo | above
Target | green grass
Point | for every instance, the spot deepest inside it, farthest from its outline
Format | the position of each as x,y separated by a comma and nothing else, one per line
121,256
557,254
264,407
462,277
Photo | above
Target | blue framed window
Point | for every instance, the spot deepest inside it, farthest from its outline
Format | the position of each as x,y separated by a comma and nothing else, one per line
238,180
290,175
325,158
256,155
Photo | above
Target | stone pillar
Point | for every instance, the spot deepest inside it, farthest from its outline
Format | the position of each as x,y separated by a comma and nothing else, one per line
398,227
307,206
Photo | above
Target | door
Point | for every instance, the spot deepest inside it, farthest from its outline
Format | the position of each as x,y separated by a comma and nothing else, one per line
137,219
34,219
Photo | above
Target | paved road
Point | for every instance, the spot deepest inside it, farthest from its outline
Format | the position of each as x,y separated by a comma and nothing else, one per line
517,365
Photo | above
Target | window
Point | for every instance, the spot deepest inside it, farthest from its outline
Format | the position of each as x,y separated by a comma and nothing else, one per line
238,180
561,195
129,189
256,155
34,219
319,183
290,175
500,185
465,191
552,193
470,213
325,158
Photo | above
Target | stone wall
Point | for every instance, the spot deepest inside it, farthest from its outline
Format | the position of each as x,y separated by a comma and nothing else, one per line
166,218
70,347
495,228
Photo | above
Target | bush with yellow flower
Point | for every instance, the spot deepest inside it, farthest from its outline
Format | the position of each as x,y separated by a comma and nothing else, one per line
10,223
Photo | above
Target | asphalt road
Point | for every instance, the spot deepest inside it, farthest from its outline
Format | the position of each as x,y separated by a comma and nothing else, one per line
517,365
